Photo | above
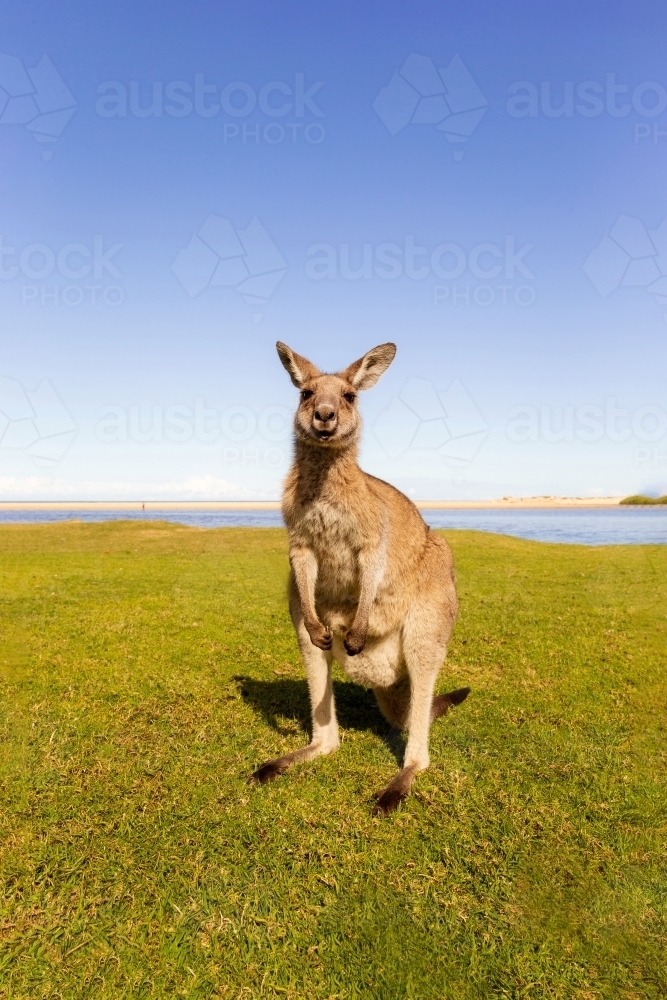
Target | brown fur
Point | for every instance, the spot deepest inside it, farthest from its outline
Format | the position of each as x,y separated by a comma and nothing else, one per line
370,585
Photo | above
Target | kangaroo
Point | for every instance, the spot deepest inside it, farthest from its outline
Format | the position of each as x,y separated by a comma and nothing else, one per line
370,585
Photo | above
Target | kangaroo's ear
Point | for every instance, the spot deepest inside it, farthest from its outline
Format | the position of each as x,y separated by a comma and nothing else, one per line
365,372
300,369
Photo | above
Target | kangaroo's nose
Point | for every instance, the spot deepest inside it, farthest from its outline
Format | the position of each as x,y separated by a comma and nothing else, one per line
324,414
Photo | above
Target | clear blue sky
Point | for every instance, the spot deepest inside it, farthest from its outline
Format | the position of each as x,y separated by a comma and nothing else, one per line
514,253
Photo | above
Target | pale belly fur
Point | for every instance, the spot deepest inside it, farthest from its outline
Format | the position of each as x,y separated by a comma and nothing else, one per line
380,664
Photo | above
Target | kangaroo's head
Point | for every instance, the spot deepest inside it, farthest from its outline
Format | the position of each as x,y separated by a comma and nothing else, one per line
327,415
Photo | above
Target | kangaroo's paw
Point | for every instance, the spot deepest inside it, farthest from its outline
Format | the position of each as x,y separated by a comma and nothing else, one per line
321,637
354,642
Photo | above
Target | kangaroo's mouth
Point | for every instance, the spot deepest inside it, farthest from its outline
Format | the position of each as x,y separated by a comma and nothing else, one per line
323,434
335,438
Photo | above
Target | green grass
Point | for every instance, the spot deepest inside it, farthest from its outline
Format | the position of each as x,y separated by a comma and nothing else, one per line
146,670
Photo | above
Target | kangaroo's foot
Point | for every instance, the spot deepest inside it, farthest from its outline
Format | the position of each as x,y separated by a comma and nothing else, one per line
443,702
395,792
273,768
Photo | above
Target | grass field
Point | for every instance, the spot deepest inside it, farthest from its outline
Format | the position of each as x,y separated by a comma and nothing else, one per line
147,669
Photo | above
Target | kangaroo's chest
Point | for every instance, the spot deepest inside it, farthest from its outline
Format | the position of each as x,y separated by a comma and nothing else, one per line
335,538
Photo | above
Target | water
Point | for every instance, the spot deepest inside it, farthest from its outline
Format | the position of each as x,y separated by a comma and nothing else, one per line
576,525
579,525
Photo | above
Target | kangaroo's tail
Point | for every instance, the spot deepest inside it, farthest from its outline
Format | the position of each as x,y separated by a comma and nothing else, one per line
442,702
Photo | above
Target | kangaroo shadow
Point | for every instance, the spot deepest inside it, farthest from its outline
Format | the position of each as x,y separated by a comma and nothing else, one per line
284,698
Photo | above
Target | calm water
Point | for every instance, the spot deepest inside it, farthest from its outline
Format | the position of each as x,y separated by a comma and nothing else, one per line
599,526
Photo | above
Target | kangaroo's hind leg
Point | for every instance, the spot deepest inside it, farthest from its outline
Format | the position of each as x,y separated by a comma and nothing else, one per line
325,738
417,722
399,788
426,631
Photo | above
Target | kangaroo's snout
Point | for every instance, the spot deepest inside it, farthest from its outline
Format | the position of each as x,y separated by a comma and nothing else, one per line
325,419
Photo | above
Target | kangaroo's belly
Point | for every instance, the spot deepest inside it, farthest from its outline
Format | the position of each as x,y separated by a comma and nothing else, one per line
380,664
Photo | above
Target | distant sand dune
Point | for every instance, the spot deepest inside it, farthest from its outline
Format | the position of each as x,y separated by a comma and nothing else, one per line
154,506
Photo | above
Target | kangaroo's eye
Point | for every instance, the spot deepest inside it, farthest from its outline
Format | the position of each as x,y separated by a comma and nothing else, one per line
349,396
306,394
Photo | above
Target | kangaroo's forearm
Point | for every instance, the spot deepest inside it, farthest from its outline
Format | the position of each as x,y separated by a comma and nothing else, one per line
372,567
355,640
366,597
304,567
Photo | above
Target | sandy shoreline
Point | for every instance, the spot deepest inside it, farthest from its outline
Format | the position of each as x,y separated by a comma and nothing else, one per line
155,506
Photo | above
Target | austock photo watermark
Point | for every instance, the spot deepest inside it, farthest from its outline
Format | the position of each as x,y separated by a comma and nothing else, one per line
449,100
423,94
444,427
423,91
248,438
590,99
630,256
485,274
447,427
274,113
644,427
244,259
36,99
79,273
247,260
35,421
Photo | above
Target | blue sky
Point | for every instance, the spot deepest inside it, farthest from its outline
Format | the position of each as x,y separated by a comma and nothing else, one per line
519,268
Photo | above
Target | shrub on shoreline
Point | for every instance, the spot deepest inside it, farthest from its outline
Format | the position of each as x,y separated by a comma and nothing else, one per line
638,500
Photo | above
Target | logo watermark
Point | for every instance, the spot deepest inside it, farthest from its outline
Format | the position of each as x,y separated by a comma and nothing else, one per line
35,98
254,458
650,458
218,256
503,265
589,423
36,422
448,423
179,423
420,94
628,256
51,271
287,106
237,427
591,99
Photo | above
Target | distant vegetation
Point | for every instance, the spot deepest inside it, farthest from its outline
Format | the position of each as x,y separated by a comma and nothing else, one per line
638,499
